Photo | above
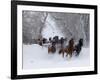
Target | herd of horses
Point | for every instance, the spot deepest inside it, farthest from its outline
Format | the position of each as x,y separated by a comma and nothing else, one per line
62,46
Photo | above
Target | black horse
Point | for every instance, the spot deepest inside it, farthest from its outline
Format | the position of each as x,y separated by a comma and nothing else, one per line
78,47
56,39
61,41
44,40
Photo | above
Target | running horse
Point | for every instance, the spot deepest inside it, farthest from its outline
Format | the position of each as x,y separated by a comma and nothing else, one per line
78,47
68,50
52,47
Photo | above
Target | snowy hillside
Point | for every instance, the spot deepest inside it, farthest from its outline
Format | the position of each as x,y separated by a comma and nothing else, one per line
36,56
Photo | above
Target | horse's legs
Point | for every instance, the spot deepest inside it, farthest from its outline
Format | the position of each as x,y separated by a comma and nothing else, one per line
49,50
66,54
77,53
63,54
70,55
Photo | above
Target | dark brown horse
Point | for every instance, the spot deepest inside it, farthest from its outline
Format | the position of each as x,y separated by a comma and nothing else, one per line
62,51
69,49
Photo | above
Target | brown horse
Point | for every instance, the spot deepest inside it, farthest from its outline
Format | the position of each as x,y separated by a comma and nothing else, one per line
51,49
62,51
69,49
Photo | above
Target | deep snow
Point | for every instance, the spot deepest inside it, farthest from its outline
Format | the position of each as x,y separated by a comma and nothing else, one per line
36,57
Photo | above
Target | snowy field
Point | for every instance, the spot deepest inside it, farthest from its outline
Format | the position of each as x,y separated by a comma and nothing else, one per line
37,57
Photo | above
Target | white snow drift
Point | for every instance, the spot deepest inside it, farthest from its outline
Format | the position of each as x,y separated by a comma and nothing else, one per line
37,57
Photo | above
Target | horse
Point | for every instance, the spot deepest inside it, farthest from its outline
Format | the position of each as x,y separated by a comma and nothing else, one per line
50,39
62,51
40,42
44,40
61,41
68,49
56,38
53,43
78,47
51,49
52,46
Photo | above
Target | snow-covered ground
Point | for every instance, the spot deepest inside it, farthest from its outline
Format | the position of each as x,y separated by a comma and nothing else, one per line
37,57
